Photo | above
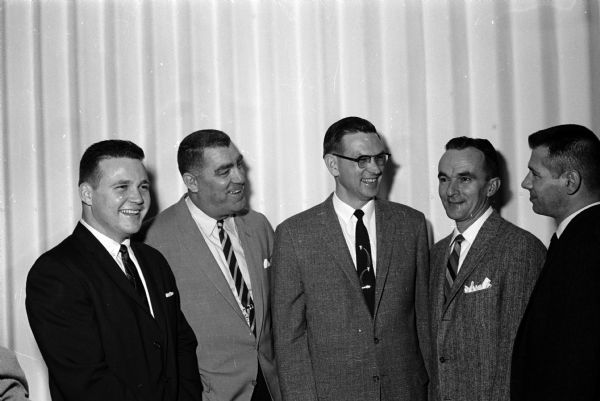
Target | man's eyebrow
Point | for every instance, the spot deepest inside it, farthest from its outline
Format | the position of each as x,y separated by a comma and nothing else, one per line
224,167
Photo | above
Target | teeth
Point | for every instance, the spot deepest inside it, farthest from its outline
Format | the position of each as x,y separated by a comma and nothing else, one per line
130,212
370,180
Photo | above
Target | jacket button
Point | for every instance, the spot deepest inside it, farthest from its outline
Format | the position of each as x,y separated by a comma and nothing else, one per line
442,359
376,340
375,378
156,345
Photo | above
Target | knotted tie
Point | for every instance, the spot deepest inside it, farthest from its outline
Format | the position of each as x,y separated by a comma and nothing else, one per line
364,263
132,273
452,265
234,269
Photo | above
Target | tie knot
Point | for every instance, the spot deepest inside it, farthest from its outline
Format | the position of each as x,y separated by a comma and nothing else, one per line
459,238
123,250
359,214
220,224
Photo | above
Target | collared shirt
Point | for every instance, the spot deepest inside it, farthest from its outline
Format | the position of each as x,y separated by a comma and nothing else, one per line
208,227
347,219
113,248
563,224
469,236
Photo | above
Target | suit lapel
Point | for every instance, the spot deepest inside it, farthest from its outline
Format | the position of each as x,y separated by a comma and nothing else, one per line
385,233
439,262
476,253
198,250
106,263
155,290
252,256
333,239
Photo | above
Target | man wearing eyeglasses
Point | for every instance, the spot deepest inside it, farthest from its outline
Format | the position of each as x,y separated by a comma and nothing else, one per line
349,279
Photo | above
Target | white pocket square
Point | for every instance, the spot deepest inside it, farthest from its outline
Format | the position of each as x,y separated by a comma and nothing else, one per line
169,294
266,263
478,287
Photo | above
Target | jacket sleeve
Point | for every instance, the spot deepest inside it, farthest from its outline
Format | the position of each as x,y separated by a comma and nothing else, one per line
63,322
13,385
289,321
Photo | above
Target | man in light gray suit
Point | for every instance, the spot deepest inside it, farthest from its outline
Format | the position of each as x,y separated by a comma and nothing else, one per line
349,284
219,253
482,275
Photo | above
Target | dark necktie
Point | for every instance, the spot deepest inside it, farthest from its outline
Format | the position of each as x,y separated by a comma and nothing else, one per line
132,274
452,265
364,263
234,269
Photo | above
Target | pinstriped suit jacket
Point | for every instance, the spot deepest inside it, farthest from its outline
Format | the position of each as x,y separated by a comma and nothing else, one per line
472,333
326,344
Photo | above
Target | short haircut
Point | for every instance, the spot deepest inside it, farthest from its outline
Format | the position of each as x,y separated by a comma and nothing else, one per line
490,156
571,147
348,125
191,149
108,149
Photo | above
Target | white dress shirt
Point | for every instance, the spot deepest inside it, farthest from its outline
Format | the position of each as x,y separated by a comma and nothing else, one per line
208,227
113,248
469,236
347,219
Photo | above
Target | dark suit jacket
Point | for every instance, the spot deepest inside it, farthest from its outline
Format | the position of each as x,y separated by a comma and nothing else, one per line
326,343
473,332
228,353
557,349
96,336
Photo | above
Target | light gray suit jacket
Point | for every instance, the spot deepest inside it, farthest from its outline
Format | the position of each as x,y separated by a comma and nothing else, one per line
228,353
13,385
473,333
327,345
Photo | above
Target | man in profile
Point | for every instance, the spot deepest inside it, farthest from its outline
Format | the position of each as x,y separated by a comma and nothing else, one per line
219,251
349,284
557,349
105,310
482,275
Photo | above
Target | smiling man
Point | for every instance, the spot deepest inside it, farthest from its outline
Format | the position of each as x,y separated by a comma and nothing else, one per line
349,284
557,349
219,251
104,310
482,275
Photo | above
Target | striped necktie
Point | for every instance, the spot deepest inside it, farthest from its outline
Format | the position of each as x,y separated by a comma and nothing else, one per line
240,285
452,265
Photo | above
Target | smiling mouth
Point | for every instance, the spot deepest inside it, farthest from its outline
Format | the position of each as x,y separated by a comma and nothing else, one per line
370,180
236,192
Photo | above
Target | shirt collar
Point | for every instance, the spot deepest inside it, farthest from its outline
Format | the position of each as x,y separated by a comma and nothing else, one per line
346,212
471,232
112,246
563,224
207,224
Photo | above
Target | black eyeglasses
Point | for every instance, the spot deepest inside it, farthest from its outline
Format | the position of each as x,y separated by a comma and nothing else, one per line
362,161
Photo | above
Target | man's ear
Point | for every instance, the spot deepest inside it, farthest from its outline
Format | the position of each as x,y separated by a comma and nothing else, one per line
190,182
86,193
572,181
493,186
331,164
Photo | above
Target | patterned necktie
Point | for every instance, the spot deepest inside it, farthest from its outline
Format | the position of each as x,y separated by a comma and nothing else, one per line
132,274
452,265
234,269
364,263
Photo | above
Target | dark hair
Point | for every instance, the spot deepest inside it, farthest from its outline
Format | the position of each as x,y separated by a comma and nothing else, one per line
110,148
571,147
191,149
491,164
348,125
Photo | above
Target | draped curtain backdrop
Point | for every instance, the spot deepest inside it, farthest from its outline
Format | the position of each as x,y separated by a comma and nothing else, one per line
274,74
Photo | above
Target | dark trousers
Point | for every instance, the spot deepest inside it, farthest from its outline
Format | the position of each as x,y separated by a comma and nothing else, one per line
261,391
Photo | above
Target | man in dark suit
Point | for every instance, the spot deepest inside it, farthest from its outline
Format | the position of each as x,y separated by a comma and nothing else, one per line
557,349
349,284
482,275
104,310
219,252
